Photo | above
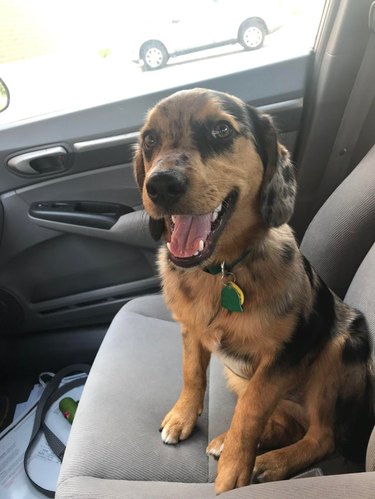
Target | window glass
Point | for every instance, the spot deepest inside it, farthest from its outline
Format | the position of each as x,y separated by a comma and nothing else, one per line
73,54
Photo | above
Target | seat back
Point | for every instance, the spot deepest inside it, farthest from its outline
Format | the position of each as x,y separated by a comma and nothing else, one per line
343,230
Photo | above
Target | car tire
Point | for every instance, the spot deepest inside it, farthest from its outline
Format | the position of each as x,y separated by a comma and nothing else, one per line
154,55
251,34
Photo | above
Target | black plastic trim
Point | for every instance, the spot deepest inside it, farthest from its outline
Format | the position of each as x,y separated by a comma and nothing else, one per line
86,213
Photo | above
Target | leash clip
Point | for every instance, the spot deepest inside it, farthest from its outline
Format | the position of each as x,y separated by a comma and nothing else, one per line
226,276
232,296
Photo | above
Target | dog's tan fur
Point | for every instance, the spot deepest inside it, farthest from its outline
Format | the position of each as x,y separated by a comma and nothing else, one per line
292,406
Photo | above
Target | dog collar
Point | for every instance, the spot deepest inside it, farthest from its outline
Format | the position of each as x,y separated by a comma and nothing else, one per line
217,269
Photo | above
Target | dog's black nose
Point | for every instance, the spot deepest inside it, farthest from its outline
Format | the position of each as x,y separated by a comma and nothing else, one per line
167,187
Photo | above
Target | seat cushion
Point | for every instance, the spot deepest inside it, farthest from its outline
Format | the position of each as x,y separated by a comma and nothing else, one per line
135,380
358,486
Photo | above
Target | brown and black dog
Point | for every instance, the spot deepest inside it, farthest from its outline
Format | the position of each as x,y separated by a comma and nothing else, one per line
220,188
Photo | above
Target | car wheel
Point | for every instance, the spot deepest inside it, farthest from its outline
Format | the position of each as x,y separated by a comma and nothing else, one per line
251,35
154,55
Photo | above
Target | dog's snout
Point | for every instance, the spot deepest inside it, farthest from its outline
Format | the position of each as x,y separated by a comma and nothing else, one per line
167,187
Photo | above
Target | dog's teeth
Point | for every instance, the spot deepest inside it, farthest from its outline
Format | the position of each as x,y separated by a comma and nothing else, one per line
196,253
173,217
218,209
169,246
214,216
201,245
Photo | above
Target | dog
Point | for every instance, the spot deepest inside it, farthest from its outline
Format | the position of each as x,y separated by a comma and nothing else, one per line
220,188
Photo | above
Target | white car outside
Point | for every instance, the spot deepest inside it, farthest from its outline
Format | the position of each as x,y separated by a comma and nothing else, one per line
207,24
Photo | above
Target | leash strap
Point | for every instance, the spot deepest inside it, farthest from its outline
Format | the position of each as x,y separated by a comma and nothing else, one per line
51,393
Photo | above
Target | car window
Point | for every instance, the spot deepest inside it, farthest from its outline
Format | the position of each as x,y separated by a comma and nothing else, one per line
62,56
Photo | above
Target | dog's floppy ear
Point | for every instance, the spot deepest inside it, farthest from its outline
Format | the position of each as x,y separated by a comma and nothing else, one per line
139,167
156,226
278,189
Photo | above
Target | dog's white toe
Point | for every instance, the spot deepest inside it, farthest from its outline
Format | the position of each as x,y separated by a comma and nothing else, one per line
215,451
168,438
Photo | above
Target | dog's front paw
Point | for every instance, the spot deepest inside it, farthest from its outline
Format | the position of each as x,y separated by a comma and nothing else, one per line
234,470
178,423
270,467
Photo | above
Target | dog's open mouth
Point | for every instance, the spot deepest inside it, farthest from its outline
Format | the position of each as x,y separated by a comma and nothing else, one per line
193,237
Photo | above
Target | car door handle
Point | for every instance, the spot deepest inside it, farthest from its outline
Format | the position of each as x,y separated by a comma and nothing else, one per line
40,162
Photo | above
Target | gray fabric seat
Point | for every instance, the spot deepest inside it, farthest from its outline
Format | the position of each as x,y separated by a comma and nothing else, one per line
115,450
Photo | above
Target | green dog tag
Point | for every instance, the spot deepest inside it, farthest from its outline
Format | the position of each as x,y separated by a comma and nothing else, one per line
232,297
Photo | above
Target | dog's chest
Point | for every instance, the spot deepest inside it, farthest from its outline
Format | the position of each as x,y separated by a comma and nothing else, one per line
240,363
193,297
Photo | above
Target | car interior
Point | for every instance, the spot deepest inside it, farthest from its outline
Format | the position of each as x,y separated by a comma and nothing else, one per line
79,281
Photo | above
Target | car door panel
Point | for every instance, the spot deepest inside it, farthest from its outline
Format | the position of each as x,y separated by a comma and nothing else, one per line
65,274
44,262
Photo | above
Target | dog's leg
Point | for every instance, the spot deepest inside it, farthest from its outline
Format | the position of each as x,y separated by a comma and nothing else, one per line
281,463
180,420
253,409
286,426
320,401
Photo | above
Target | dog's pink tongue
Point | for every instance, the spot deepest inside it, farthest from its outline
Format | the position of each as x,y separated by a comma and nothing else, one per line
188,231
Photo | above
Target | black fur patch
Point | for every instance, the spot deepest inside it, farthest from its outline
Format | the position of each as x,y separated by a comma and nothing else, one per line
310,335
288,174
259,132
182,160
308,270
357,346
270,197
227,349
186,290
354,422
236,110
207,145
176,131
287,253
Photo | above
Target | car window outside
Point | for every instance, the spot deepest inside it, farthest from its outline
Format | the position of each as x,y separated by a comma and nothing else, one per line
80,53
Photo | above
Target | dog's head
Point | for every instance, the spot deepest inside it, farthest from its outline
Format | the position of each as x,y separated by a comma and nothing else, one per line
212,174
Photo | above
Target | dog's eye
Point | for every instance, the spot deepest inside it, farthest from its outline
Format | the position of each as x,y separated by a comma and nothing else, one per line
222,130
150,140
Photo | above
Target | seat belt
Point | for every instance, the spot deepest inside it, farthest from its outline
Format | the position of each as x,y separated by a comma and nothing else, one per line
51,393
355,114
